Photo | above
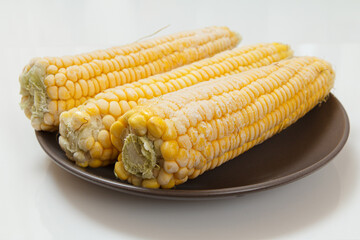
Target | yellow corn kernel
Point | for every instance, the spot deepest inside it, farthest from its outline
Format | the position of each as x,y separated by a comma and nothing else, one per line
164,178
52,92
170,132
138,124
117,129
150,183
48,118
49,80
96,150
120,171
95,163
107,121
181,181
169,150
182,158
182,173
171,166
52,69
156,126
89,143
170,184
104,138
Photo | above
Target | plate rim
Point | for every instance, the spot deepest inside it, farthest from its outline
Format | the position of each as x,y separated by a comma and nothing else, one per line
177,194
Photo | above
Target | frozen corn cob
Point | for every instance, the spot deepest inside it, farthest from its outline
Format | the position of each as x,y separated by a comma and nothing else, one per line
85,130
167,140
51,85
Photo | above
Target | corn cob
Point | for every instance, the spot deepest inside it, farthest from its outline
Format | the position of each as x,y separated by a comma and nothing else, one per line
85,130
51,85
168,140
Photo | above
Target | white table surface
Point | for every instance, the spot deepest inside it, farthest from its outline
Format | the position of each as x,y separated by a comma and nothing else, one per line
41,201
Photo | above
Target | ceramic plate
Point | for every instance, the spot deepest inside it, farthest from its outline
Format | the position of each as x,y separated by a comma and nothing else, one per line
294,153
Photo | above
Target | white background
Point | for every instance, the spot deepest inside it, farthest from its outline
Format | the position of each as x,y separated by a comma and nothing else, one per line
38,200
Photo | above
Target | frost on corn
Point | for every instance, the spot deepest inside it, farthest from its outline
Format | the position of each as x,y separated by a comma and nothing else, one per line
75,131
139,156
34,99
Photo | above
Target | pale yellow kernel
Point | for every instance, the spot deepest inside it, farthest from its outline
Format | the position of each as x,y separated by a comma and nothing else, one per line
71,74
164,178
60,79
169,149
122,78
108,120
170,131
184,141
200,143
182,173
104,138
70,86
195,173
82,100
52,69
70,103
92,109
61,106
48,118
147,91
84,73
84,87
181,181
106,155
155,90
96,67
89,142
132,104
150,183
103,105
49,80
171,166
209,151
63,93
91,88
131,94
78,91
182,158
114,109
124,105
96,150
52,92
170,184
162,87
52,107
67,60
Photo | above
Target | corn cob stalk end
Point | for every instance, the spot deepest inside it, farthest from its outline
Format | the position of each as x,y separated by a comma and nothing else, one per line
34,99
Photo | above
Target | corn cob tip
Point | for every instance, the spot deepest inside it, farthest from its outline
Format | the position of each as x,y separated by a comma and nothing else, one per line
84,138
139,156
34,100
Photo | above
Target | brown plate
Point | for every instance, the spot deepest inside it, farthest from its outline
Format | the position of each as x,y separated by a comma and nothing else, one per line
294,153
